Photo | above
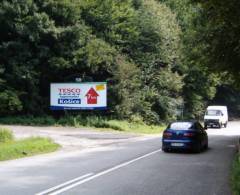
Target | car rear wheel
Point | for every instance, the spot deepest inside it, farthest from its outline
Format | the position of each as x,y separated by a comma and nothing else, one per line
165,149
206,146
198,148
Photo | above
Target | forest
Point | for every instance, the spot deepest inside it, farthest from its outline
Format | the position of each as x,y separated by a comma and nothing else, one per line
158,57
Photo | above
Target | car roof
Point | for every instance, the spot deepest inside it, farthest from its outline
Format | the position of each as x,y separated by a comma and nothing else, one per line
185,121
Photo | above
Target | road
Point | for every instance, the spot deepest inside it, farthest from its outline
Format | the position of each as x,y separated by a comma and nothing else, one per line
126,168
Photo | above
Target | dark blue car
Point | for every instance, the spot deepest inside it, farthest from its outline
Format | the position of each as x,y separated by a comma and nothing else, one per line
185,135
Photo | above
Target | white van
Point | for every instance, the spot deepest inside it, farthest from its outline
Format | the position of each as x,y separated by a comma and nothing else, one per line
216,116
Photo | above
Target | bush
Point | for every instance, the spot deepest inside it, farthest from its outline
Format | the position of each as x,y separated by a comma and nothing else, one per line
86,121
28,120
9,102
5,135
135,123
235,176
66,121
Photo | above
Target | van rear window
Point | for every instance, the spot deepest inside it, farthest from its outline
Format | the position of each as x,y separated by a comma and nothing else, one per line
213,113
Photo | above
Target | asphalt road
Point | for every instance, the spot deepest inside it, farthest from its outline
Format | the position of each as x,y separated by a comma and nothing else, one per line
133,167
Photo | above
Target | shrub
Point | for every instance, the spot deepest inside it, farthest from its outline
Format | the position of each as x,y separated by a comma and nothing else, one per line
28,120
67,121
5,135
235,176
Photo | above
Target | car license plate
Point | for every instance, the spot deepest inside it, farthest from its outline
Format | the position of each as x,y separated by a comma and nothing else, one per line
177,144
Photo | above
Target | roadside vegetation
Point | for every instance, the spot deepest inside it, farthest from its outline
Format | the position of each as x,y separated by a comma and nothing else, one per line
13,149
118,125
235,177
135,125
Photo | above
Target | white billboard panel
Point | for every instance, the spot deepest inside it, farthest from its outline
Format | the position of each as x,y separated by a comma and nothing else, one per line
78,96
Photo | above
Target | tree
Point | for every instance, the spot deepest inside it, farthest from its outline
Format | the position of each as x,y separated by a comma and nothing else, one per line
133,45
157,51
194,58
147,34
111,20
221,36
35,48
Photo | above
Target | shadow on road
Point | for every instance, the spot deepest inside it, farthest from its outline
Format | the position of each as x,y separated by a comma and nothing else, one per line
180,151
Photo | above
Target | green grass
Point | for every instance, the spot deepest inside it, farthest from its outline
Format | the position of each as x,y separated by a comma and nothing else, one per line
96,122
141,128
235,176
26,147
107,124
5,135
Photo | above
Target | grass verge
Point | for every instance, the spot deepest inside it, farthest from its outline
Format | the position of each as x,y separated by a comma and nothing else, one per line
126,126
235,176
26,147
108,124
97,122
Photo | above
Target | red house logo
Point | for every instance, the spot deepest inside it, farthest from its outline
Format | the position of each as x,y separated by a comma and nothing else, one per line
92,96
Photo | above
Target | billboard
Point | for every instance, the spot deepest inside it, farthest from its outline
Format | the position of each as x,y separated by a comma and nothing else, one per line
78,96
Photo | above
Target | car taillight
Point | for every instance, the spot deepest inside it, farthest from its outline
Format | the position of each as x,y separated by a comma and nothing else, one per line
188,134
167,134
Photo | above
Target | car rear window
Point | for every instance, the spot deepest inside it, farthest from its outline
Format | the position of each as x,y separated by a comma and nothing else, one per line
181,126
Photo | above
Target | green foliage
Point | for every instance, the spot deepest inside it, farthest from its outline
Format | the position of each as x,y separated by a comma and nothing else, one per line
28,120
123,42
135,126
111,20
5,135
159,34
227,95
26,147
198,94
152,53
157,50
9,102
148,35
221,36
235,176
63,12
86,121
100,55
186,12
127,88
199,81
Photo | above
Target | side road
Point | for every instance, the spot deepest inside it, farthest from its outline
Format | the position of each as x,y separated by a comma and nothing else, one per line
73,139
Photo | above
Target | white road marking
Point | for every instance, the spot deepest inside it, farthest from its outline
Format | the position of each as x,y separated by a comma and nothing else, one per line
102,173
64,184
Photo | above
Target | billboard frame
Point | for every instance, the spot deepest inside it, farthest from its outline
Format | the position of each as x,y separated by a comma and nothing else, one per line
59,108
